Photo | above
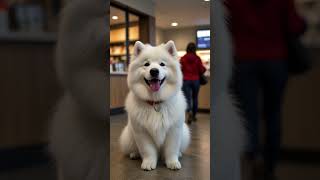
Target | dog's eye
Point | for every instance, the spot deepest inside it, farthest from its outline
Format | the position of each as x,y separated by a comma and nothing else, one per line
162,64
146,64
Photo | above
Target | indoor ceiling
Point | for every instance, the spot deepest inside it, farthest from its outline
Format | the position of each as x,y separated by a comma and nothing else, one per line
184,12
121,16
119,13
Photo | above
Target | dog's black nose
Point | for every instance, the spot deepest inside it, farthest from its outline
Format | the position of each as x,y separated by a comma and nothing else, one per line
154,72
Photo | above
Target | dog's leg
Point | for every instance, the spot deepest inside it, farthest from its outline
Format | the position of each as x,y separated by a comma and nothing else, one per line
185,140
127,143
147,149
172,147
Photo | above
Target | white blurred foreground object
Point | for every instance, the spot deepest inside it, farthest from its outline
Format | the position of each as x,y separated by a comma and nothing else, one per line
78,129
227,129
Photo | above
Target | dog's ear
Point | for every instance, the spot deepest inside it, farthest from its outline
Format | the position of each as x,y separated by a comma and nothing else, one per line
138,47
171,48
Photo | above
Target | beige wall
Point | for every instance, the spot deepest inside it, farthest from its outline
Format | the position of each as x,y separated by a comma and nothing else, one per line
181,36
159,36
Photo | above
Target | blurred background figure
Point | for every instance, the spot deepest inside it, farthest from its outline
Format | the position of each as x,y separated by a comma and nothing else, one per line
260,29
192,69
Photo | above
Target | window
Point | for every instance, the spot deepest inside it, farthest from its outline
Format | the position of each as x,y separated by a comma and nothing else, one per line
124,31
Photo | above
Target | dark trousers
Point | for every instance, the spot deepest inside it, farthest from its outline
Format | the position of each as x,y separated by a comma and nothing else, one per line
262,84
191,90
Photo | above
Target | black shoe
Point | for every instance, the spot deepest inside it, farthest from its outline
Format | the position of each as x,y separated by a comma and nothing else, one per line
189,117
194,118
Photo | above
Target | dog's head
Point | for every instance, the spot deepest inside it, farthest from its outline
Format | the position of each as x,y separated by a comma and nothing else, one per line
154,72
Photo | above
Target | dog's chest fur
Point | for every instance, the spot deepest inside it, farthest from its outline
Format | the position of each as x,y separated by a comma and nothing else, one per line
156,123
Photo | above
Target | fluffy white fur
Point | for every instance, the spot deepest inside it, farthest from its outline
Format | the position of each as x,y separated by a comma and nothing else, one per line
78,129
150,134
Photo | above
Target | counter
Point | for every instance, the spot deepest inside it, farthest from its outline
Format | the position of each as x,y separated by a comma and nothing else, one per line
118,89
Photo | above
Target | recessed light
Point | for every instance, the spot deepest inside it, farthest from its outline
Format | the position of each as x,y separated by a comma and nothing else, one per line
206,0
174,24
115,17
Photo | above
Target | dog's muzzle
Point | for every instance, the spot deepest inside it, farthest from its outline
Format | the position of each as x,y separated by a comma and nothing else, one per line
154,83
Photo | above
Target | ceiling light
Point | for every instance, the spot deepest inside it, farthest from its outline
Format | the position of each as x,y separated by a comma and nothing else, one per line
206,0
174,24
115,17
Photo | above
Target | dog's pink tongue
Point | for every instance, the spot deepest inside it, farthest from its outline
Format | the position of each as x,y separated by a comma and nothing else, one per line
154,85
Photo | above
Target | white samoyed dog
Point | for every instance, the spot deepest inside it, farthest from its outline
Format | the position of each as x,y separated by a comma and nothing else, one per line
156,107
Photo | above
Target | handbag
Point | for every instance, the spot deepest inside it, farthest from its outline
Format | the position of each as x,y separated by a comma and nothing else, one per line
203,79
299,60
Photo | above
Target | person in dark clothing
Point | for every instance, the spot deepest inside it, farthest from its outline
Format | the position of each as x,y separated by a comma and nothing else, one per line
259,29
192,68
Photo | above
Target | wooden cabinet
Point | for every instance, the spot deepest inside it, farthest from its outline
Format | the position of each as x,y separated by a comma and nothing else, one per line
29,91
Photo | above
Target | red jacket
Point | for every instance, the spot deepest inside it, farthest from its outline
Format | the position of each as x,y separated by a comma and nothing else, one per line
191,66
259,30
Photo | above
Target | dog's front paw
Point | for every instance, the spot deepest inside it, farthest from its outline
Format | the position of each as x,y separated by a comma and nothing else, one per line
149,164
173,164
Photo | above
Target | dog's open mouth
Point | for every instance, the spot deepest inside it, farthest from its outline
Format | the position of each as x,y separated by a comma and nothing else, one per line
154,83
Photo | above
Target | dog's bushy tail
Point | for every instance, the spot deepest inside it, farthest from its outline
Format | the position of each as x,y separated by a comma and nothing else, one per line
227,128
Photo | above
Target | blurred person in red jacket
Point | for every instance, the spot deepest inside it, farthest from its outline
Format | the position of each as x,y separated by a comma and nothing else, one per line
259,29
192,68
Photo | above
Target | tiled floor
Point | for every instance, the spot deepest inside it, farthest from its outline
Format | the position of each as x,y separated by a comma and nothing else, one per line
195,162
